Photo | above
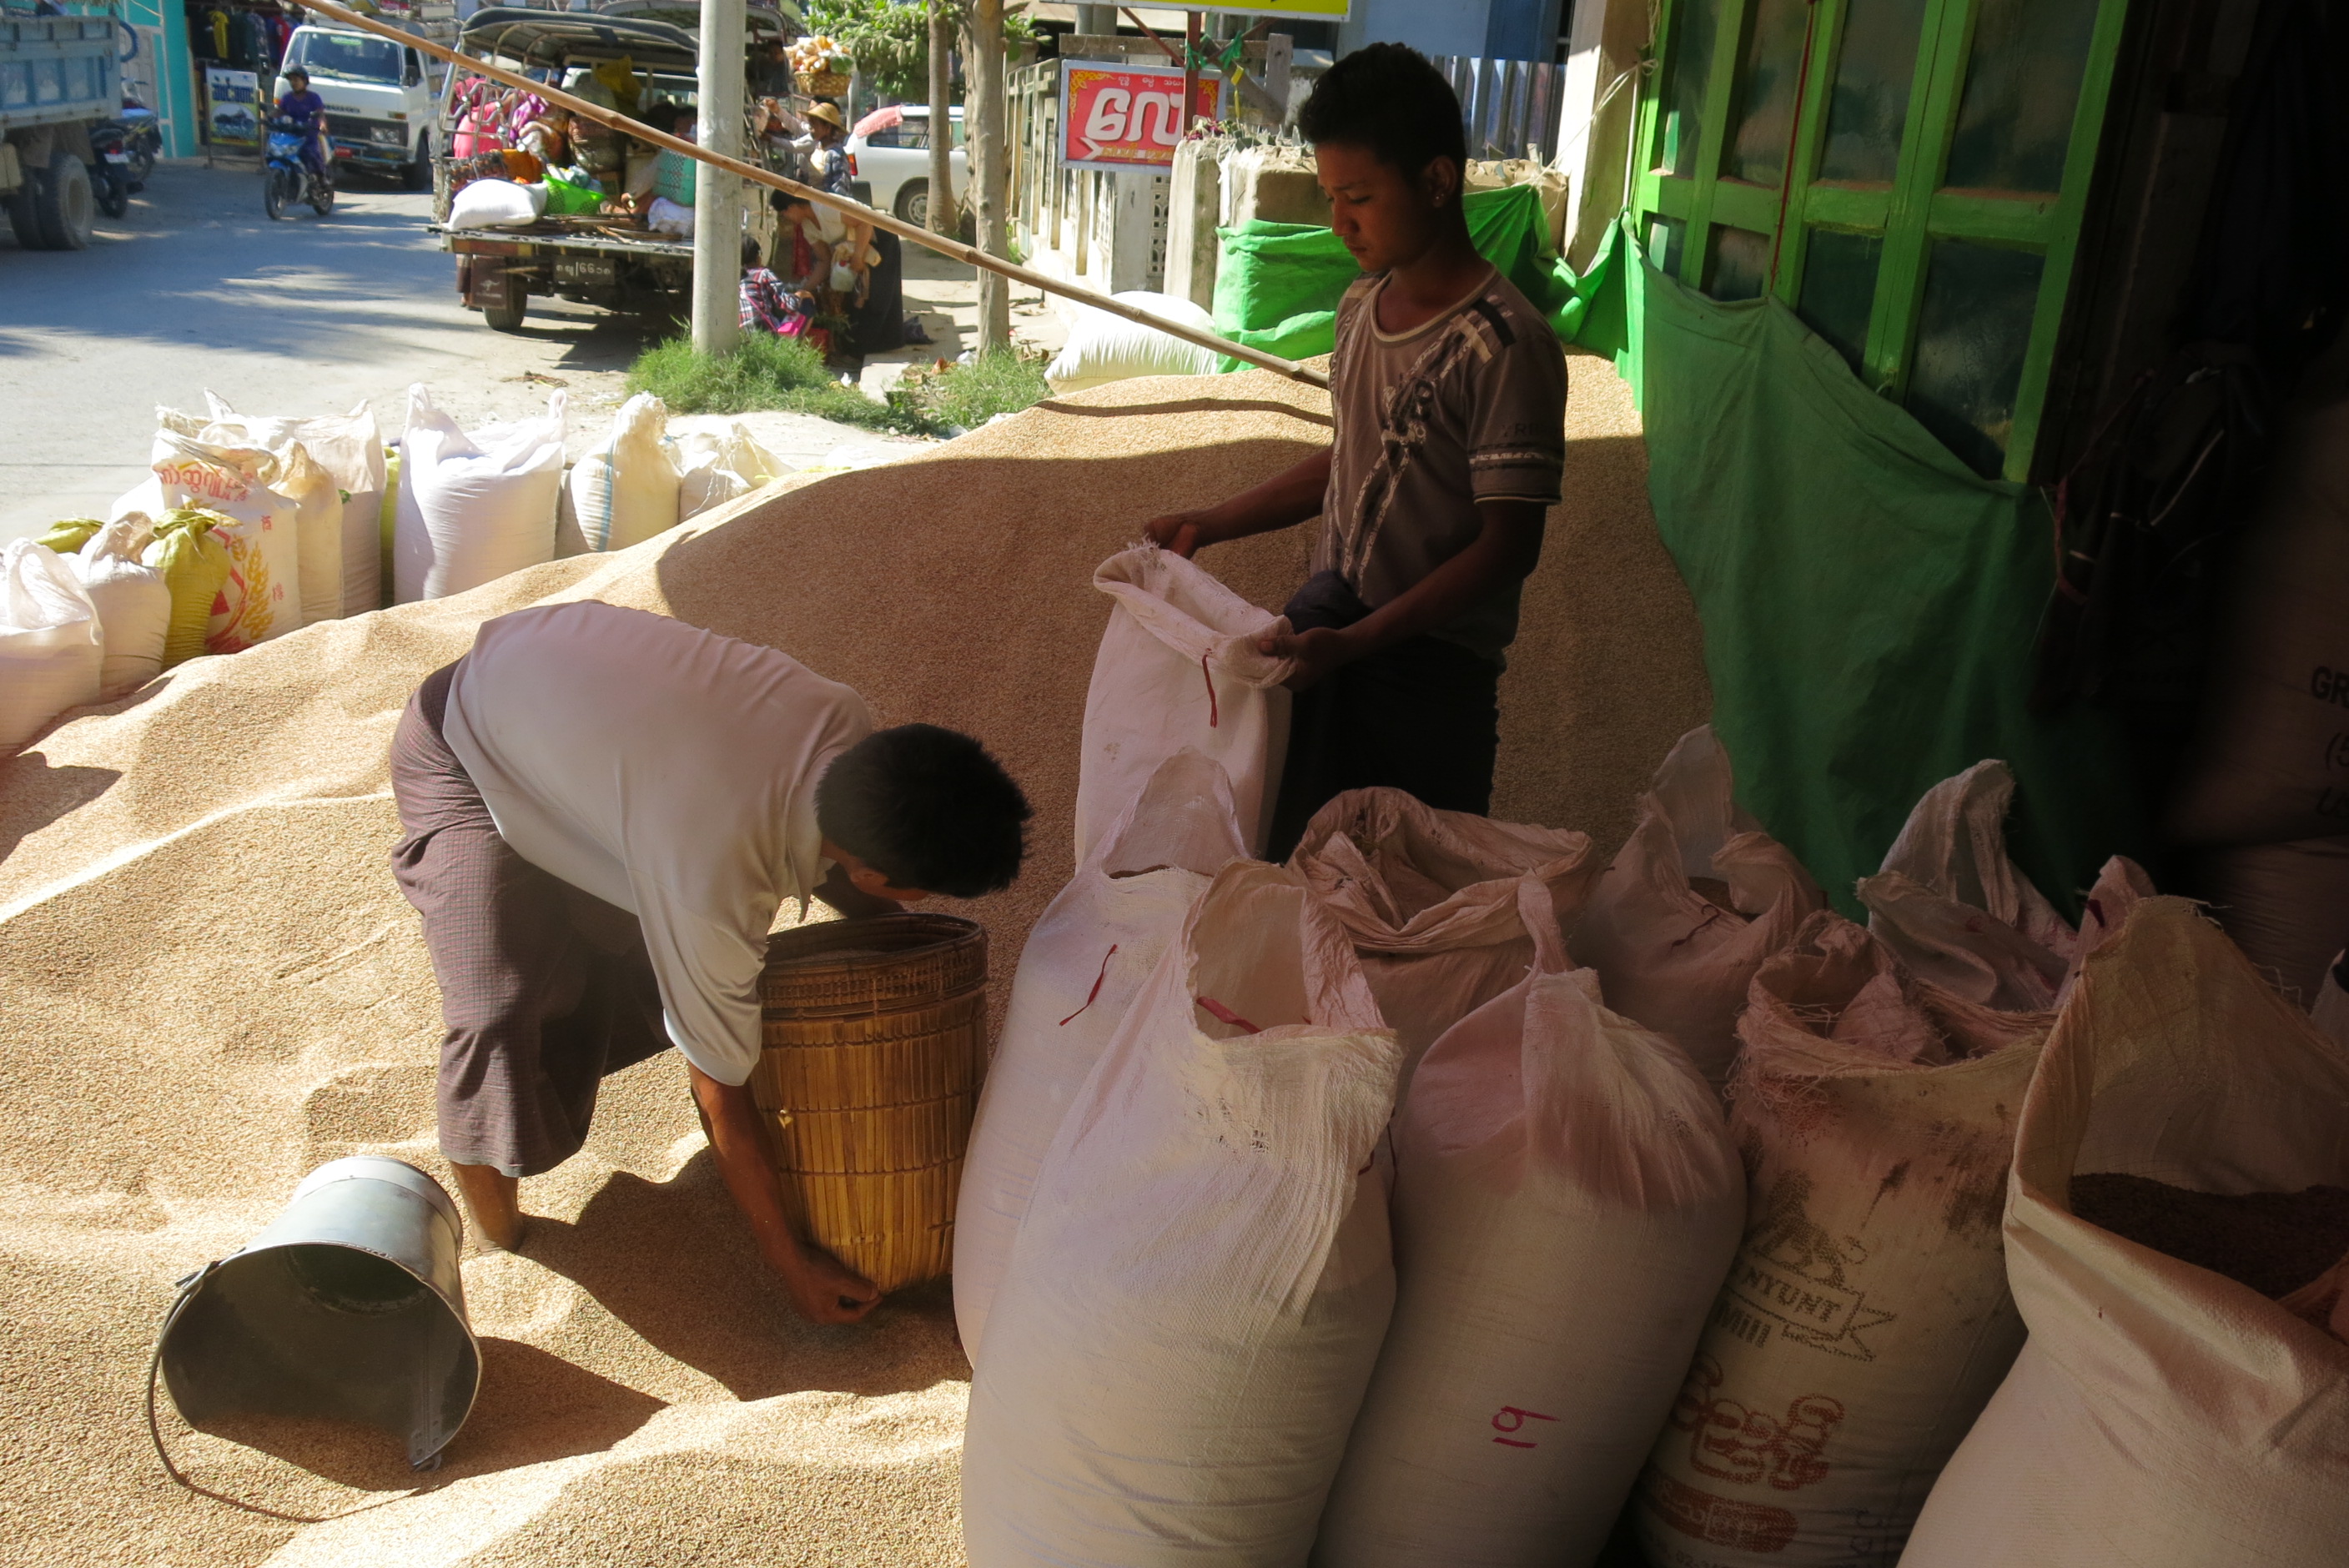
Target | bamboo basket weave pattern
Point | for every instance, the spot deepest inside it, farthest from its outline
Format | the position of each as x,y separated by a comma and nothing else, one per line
875,1043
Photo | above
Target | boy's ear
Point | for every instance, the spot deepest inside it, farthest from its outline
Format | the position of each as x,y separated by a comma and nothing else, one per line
1441,181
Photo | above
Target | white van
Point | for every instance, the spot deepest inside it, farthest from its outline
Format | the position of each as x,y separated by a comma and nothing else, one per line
380,99
894,160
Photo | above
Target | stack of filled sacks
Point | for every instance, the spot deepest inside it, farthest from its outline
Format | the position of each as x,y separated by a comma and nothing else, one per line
1216,1311
641,481
203,873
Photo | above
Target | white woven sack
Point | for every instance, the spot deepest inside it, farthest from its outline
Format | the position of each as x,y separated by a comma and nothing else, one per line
496,204
624,489
133,604
350,448
1200,1284
1865,1321
1179,667
263,597
473,508
49,641
715,467
2330,1011
1431,900
2161,1416
1947,869
1103,348
1087,955
1695,900
319,520
1567,1200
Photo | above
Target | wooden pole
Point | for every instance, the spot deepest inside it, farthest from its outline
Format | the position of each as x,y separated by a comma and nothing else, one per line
969,256
1190,69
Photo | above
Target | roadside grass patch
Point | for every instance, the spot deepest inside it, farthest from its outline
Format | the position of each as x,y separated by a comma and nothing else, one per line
767,372
764,372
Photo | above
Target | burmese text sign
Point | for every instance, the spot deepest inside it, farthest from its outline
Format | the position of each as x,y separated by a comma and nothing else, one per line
1127,115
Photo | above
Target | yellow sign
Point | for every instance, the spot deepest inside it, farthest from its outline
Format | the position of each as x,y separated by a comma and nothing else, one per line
1302,10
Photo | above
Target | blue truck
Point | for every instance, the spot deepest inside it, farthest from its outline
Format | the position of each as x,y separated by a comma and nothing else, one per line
58,76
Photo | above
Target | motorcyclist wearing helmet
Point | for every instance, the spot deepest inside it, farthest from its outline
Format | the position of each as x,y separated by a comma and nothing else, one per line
307,110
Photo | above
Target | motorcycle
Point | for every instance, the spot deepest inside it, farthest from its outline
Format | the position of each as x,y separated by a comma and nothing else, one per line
110,180
286,179
142,138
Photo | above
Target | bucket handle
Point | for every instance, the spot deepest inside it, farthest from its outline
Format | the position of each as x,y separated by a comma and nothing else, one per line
188,1286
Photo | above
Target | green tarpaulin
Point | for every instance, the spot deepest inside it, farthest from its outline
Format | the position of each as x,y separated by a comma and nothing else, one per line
1278,284
1870,603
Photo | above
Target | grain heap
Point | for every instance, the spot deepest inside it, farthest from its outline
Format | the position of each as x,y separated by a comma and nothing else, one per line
211,986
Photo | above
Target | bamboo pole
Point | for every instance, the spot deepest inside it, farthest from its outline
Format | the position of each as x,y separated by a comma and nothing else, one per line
969,256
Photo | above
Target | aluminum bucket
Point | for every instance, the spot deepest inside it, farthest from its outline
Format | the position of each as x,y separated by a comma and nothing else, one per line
351,1306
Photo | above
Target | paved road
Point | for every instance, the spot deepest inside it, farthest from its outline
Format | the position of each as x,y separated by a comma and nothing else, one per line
197,289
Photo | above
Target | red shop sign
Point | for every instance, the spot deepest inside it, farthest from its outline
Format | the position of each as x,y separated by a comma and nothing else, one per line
1125,116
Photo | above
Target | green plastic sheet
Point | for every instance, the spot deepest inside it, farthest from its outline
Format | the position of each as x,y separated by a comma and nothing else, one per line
1278,284
1870,603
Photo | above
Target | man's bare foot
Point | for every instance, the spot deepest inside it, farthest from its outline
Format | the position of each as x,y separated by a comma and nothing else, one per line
493,1199
826,1290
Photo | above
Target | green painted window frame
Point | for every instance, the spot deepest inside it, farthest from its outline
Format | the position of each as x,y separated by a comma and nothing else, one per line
1908,213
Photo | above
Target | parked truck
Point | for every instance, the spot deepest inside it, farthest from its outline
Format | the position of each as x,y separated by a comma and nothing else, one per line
58,76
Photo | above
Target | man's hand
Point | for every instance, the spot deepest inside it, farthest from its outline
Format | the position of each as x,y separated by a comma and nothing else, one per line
1316,652
1180,531
826,1290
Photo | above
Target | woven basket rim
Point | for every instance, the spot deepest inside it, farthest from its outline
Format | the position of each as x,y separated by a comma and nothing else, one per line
804,948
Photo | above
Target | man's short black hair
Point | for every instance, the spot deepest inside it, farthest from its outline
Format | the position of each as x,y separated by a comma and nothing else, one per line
927,807
1390,98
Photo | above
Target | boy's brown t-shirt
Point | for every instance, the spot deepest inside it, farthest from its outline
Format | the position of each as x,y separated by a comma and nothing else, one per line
1469,407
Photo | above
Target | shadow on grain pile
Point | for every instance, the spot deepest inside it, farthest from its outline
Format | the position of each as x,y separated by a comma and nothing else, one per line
211,985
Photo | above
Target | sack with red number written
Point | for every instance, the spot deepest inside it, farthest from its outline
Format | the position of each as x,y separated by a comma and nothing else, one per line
1087,955
1567,1200
1865,1321
1953,908
262,597
1431,900
1179,667
1695,900
2167,1413
1202,1278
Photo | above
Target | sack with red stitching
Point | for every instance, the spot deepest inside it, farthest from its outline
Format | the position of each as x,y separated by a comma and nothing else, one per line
1431,900
1086,956
1179,667
1202,1279
1695,900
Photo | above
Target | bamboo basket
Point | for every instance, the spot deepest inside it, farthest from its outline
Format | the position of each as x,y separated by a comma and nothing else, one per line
874,1046
824,84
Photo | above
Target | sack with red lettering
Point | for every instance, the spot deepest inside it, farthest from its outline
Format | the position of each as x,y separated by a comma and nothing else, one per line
1695,900
1086,957
262,596
1956,911
2163,1414
1866,1321
1566,1199
1202,1278
1431,900
1178,667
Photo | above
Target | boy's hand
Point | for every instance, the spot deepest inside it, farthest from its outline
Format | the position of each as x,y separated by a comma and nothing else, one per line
1180,531
1316,652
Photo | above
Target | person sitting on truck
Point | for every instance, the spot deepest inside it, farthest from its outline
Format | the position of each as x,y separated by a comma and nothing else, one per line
307,110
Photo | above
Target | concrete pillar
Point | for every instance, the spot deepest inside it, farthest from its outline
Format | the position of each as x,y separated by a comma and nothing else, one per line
1096,21
1194,204
718,196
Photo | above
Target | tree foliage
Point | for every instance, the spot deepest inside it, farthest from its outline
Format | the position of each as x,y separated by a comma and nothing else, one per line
890,39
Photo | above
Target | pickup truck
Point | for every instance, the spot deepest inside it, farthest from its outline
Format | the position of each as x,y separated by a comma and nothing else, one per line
380,98
611,262
58,74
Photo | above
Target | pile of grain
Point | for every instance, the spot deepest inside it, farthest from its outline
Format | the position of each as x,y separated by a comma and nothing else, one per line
210,987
